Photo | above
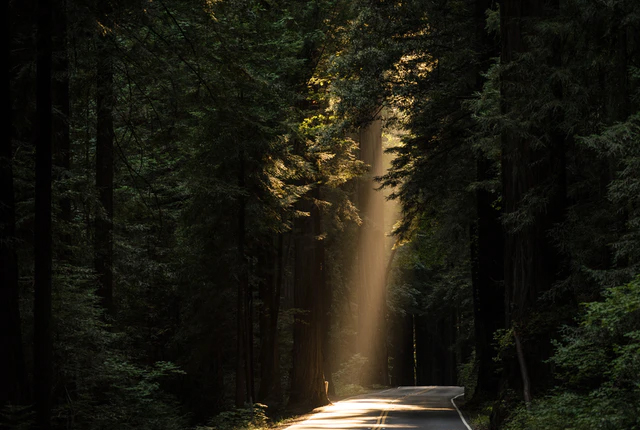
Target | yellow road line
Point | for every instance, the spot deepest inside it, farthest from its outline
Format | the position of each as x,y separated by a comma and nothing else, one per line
385,412
384,415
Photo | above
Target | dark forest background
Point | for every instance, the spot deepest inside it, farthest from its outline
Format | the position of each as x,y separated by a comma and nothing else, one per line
182,204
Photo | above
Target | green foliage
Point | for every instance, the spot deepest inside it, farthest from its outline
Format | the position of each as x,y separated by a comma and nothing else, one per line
598,369
352,372
101,387
570,94
480,417
606,344
468,375
349,390
17,417
245,107
619,141
249,418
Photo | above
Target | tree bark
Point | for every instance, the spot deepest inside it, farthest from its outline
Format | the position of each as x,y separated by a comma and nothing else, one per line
13,375
326,297
307,379
487,242
60,94
43,369
488,291
428,362
436,358
270,390
526,383
402,350
241,394
104,160
244,332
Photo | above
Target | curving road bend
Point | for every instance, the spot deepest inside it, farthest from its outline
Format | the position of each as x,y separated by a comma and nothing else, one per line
427,408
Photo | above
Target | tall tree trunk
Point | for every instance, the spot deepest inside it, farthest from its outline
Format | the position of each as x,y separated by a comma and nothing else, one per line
524,372
250,380
13,376
488,290
531,261
270,391
402,350
435,355
326,298
451,352
307,379
618,94
277,378
13,366
428,361
43,368
104,159
487,242
60,94
244,335
241,393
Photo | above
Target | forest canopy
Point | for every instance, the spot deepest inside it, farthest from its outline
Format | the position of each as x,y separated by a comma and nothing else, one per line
215,214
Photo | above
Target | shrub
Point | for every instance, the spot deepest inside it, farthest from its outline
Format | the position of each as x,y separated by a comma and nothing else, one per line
253,417
598,366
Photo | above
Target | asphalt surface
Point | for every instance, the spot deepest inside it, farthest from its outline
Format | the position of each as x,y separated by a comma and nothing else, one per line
427,408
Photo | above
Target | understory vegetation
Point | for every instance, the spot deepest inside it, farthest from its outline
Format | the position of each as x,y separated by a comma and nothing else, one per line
598,369
220,214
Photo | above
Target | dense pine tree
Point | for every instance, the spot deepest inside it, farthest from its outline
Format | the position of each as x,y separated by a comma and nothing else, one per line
188,220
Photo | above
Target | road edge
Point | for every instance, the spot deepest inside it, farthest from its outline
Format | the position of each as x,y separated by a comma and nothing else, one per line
460,413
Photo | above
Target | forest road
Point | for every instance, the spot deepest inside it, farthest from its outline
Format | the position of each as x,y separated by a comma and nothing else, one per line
428,408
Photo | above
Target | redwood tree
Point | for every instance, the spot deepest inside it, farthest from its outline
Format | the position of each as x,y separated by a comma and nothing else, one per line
13,366
43,367
307,378
533,181
487,237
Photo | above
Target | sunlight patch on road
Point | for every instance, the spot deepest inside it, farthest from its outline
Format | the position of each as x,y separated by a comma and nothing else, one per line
361,414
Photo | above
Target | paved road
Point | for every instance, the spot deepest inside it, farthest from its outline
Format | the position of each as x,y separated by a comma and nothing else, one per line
415,408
